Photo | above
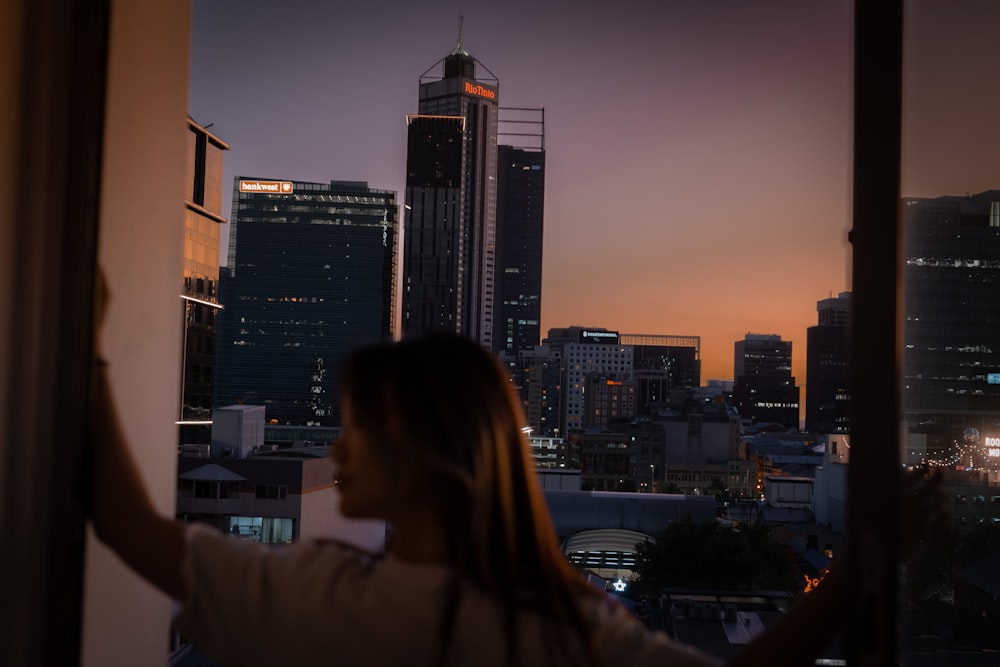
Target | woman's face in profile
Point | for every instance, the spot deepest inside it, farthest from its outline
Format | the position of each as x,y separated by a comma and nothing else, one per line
360,475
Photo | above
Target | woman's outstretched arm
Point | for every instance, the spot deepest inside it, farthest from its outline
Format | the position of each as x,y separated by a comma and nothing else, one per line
798,637
123,514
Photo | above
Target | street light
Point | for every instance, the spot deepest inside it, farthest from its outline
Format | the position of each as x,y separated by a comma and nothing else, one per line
650,477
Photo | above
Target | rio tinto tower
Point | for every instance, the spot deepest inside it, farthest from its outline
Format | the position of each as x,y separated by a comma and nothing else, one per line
449,221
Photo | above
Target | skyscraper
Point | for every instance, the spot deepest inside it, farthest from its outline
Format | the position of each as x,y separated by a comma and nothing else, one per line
203,221
951,359
520,208
450,202
764,389
310,277
827,370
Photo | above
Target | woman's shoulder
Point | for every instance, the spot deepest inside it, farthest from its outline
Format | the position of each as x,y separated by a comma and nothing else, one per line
622,637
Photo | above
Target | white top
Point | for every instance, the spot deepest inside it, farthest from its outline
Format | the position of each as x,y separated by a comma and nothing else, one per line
322,603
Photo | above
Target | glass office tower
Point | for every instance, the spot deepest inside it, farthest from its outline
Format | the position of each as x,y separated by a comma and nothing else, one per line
450,213
310,277
951,358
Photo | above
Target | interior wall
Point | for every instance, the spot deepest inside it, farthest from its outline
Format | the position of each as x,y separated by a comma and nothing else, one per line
125,622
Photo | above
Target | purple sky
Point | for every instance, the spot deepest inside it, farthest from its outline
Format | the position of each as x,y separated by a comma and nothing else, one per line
698,153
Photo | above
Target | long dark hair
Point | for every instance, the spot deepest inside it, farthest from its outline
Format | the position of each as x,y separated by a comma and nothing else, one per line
446,410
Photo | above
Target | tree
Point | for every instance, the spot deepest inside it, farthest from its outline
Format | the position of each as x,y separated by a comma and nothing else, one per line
711,555
717,488
929,574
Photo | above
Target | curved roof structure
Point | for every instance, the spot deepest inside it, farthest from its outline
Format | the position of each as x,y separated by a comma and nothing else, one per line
605,539
607,552
574,512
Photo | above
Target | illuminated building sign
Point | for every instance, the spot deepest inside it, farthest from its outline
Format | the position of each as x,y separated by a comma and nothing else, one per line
993,378
276,187
992,445
812,583
480,91
599,337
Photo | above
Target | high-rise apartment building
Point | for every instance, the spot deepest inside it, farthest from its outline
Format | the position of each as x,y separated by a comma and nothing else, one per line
827,371
310,277
951,357
451,200
203,222
764,389
517,304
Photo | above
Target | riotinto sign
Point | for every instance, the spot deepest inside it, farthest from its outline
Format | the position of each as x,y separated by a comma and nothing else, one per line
480,91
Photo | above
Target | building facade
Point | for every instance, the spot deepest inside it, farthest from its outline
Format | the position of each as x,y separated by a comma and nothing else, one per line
606,401
203,222
450,202
662,365
586,353
951,356
764,389
537,377
310,277
827,371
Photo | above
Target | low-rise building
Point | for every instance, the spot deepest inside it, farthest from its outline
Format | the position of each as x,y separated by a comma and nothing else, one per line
276,497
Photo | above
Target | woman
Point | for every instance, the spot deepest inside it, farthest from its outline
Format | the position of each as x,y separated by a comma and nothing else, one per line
432,442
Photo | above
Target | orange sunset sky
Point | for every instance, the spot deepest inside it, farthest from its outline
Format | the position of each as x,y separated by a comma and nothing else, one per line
698,176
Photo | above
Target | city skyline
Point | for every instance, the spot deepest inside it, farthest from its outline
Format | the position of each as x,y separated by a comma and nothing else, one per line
698,158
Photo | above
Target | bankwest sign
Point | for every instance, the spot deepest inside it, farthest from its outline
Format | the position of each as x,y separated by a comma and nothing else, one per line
277,187
480,91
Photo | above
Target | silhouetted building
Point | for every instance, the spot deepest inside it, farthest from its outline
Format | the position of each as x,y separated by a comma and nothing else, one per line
605,463
520,205
537,376
951,357
203,222
662,365
827,382
450,213
764,389
310,277
606,401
